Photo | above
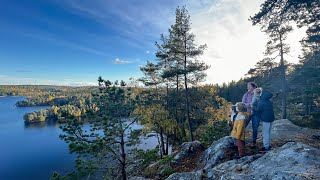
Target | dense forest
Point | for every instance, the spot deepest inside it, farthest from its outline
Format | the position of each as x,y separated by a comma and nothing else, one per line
62,107
64,102
41,90
171,99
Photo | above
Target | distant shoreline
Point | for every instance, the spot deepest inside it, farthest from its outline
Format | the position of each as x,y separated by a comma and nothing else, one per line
12,96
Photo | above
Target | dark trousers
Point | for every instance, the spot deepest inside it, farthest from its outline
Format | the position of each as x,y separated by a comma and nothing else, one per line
240,145
255,126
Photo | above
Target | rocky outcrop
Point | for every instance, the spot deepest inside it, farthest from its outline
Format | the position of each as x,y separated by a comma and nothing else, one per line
285,129
186,176
187,149
292,161
215,153
230,166
137,178
297,157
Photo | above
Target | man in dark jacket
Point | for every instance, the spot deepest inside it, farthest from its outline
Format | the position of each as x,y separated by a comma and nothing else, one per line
266,114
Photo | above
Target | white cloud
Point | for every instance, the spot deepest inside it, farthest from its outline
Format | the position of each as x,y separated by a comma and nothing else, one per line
119,61
132,20
234,45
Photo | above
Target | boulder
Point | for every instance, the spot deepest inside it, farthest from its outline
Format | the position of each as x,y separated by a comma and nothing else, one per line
137,178
291,161
185,176
236,165
295,156
215,153
285,130
187,149
152,169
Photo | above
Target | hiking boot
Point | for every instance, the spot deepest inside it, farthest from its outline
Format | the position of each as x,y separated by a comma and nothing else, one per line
238,157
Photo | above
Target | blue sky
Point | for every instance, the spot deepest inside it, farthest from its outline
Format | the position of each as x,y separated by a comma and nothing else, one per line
72,42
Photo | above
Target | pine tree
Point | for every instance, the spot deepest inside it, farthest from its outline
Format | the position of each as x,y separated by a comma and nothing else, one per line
186,54
277,28
109,147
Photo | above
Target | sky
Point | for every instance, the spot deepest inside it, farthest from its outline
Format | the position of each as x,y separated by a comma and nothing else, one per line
72,42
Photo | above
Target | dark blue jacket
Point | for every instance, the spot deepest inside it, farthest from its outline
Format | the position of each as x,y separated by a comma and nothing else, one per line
264,108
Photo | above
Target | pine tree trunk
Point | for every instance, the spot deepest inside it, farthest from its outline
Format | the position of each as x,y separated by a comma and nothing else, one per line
167,98
187,107
178,119
187,92
159,146
123,158
284,95
162,141
167,145
176,99
283,82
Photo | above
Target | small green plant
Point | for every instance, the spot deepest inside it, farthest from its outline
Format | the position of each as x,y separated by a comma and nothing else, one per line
168,170
208,134
148,156
167,159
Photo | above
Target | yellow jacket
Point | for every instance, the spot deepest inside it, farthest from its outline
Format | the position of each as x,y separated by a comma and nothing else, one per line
239,126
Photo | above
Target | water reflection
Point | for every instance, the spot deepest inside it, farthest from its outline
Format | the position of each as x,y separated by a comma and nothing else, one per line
46,123
142,141
34,125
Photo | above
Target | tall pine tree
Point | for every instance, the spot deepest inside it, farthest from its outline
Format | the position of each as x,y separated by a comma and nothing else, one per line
186,54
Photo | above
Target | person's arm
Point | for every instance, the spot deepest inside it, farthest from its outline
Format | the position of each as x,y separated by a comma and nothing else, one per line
254,99
259,107
244,98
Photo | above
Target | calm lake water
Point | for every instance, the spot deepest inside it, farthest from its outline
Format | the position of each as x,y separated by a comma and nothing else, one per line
29,152
35,152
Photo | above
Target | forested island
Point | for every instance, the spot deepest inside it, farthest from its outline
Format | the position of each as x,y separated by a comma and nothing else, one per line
172,101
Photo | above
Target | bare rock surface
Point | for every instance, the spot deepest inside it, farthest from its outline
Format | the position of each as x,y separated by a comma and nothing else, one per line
297,157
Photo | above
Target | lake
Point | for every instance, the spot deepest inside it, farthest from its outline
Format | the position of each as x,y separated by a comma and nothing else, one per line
35,151
29,152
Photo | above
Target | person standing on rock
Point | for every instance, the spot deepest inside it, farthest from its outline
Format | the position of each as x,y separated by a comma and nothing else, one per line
247,100
265,111
238,131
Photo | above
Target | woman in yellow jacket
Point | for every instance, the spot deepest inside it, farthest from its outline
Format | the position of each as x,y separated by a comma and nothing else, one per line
238,131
